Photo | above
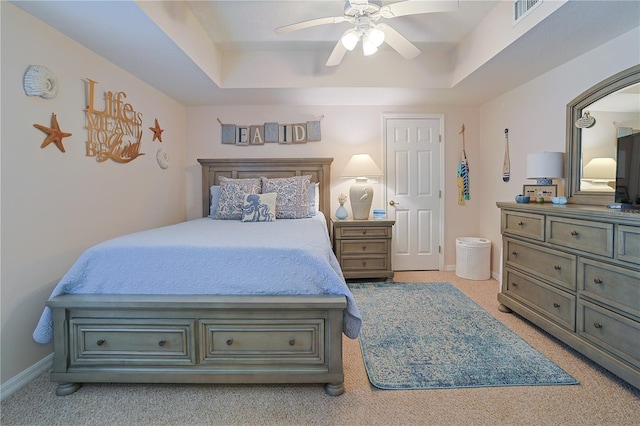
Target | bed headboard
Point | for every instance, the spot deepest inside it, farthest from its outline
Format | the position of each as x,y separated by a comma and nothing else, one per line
240,168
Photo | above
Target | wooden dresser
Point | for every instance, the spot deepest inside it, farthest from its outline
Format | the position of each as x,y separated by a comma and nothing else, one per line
574,271
363,247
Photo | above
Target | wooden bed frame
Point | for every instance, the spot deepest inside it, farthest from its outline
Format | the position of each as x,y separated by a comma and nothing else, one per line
205,339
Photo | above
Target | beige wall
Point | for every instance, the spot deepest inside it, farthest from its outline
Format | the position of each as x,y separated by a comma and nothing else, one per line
55,205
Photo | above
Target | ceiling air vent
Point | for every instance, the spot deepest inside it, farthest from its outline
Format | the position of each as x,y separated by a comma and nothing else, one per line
522,7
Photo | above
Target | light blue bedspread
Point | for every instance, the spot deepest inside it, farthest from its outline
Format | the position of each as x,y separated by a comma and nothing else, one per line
206,256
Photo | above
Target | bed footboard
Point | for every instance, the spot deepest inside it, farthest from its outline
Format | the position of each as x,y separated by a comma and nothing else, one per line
197,339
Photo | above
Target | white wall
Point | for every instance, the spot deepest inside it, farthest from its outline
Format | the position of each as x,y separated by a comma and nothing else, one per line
535,114
55,205
346,130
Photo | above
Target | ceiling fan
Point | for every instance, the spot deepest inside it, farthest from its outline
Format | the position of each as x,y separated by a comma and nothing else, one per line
364,16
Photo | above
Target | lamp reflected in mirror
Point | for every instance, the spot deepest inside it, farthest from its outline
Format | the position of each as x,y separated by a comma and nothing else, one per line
599,174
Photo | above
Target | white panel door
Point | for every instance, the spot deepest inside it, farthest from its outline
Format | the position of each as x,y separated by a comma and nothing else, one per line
413,190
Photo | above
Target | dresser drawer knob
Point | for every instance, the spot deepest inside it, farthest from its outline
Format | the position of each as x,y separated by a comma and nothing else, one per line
597,325
292,341
364,263
229,342
514,284
597,280
101,342
556,305
557,267
574,233
364,248
162,342
521,223
515,253
364,232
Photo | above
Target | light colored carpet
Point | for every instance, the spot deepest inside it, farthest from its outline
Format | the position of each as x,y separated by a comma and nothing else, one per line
432,336
600,398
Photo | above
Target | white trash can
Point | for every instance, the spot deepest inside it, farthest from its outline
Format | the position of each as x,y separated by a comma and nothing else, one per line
473,258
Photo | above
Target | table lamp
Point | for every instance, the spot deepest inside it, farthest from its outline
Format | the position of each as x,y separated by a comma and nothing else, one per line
544,166
361,167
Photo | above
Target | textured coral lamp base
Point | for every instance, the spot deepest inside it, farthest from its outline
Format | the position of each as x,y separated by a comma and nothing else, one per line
361,196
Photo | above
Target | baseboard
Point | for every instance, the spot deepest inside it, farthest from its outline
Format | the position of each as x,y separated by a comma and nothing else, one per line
15,383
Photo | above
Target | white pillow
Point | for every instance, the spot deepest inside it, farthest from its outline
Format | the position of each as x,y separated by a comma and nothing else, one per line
215,196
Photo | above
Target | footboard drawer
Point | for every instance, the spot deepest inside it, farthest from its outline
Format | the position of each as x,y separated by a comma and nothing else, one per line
108,341
275,342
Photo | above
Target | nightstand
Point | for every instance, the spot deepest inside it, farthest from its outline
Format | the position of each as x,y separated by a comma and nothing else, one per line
363,247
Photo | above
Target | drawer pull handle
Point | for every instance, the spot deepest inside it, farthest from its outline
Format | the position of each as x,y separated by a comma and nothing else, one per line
292,341
556,305
364,248
229,342
101,342
597,280
162,342
364,263
521,223
574,233
515,253
514,284
557,267
597,325
364,232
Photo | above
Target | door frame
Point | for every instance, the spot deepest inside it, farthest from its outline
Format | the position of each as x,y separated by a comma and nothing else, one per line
407,116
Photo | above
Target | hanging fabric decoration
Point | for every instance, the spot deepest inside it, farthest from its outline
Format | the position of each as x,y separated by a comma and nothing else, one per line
463,173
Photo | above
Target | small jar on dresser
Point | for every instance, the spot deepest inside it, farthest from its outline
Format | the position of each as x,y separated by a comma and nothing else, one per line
363,247
574,271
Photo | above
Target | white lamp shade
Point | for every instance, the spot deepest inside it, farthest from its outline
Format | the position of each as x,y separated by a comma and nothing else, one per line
350,39
361,165
376,36
600,168
544,165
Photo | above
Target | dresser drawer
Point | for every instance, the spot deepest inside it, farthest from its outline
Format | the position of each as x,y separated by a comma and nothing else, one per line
348,247
610,331
551,302
628,244
113,341
615,286
250,342
592,237
523,224
554,266
353,231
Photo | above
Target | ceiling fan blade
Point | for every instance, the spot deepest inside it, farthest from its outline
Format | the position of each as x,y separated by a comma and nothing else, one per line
398,42
336,56
310,23
416,7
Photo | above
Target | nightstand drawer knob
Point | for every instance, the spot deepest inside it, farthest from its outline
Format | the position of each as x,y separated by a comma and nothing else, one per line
101,342
229,342
292,341
556,305
597,325
521,223
597,280
557,267
574,233
162,342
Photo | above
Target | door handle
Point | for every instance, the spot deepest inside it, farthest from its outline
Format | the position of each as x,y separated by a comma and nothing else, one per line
393,203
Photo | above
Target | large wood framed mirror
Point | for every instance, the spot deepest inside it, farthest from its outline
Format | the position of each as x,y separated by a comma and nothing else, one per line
614,104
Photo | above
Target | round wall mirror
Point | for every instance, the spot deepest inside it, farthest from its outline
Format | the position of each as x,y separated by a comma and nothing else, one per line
595,120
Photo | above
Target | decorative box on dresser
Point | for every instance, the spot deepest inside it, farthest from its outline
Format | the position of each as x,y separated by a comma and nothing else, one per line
363,247
574,270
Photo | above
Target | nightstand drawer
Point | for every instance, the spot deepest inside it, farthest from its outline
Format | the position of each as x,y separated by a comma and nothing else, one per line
553,303
355,231
523,224
249,341
554,266
589,236
613,332
364,263
109,340
348,247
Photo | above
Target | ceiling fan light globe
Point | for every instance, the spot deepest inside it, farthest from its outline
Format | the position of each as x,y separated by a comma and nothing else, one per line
349,40
368,48
376,36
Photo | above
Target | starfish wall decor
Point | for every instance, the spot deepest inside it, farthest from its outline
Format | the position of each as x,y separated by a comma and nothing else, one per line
54,133
157,132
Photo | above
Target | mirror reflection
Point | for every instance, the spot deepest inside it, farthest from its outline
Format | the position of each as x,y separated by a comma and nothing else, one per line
602,123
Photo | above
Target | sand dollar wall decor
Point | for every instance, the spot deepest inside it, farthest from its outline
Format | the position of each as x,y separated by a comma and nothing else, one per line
40,81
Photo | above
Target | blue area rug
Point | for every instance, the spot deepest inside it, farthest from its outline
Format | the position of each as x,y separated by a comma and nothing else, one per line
432,336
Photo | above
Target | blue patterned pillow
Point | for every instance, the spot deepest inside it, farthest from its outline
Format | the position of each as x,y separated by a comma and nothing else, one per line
259,207
232,192
293,195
